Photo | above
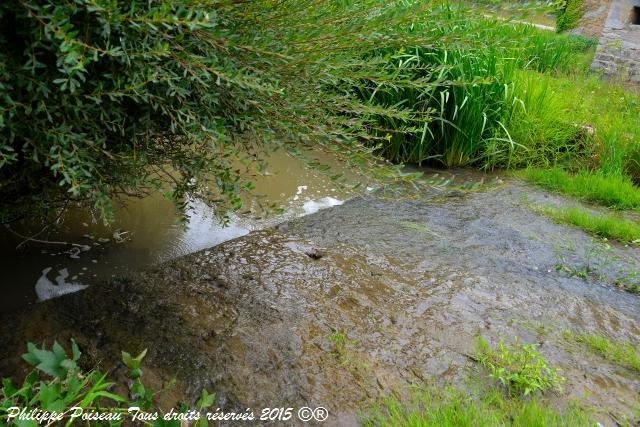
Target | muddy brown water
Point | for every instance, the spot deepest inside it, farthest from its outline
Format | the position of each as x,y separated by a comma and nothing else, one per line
410,277
148,231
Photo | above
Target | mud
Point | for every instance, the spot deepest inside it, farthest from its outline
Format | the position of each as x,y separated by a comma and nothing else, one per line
411,278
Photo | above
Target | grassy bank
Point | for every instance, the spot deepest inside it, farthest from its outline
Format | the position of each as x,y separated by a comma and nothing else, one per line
604,225
451,407
480,105
615,191
517,98
622,353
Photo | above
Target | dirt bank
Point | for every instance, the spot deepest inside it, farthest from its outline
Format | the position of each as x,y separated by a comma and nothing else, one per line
411,279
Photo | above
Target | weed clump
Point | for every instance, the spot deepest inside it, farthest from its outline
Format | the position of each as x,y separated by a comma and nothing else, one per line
521,369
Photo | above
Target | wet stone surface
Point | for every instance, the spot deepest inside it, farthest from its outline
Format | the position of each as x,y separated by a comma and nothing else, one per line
410,279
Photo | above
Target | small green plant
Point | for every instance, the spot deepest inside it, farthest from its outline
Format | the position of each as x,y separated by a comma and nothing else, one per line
596,256
417,227
580,272
57,385
521,369
68,386
340,342
628,282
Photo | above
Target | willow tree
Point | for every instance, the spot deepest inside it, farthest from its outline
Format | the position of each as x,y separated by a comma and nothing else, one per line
106,97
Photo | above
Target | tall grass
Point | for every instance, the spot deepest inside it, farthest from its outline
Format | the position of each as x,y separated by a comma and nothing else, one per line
513,96
460,102
539,134
472,105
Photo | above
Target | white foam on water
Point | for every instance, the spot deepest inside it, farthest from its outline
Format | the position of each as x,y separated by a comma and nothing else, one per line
46,289
313,206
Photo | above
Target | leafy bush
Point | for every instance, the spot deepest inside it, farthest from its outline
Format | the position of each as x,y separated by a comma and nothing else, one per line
66,389
97,95
103,98
520,368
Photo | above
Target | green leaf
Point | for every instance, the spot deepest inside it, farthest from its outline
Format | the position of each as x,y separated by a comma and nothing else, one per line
30,356
58,351
112,396
8,388
75,351
129,361
206,400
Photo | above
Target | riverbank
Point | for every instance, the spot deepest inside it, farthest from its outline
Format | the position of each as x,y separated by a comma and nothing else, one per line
342,307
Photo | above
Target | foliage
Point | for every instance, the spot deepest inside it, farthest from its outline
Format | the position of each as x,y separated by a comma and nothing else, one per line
569,15
519,368
467,102
450,407
101,98
65,386
106,98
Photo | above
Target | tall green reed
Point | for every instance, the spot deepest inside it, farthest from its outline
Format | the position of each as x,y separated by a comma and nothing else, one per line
473,105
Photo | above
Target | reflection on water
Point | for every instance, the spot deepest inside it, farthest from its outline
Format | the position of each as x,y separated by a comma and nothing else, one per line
148,231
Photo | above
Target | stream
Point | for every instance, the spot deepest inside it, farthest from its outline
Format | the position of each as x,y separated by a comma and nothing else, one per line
148,231
409,277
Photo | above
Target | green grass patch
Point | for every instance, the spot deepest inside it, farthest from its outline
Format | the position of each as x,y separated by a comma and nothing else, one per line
613,191
450,407
609,109
622,353
604,225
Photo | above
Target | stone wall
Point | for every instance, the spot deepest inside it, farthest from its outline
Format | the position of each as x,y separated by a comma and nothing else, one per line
618,51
